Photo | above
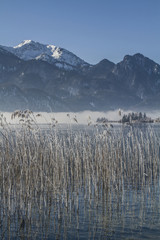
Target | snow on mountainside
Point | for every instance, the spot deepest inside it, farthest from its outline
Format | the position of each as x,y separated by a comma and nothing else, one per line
44,85
62,58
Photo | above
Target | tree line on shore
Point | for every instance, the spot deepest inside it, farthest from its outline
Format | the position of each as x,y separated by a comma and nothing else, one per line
133,117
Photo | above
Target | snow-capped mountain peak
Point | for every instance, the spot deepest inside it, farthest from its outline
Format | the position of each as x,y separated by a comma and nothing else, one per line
62,58
24,43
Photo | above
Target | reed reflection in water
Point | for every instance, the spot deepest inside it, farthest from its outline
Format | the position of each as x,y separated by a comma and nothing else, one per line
79,184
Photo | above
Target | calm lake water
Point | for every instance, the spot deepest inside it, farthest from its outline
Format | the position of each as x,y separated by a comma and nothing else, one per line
120,208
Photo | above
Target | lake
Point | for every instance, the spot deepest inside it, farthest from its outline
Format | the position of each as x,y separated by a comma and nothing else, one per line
80,182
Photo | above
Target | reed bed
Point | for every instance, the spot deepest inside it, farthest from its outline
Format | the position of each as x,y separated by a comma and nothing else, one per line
55,182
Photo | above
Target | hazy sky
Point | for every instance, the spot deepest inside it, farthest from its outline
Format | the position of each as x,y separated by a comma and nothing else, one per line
92,29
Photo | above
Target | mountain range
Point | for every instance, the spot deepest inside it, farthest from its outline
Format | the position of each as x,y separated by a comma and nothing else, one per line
48,78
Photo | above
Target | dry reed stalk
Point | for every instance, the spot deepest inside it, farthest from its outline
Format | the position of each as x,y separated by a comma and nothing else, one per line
49,171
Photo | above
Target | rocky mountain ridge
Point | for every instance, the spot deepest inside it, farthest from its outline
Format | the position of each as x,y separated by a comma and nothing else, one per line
47,78
60,57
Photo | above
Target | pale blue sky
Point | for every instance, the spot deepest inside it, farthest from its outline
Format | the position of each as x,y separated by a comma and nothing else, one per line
92,29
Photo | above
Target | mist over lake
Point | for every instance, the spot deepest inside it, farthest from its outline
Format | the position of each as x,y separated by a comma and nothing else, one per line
82,117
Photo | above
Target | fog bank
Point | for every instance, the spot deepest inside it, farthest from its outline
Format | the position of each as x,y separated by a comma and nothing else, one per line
79,117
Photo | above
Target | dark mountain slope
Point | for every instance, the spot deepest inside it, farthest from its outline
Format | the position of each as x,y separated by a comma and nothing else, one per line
41,86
